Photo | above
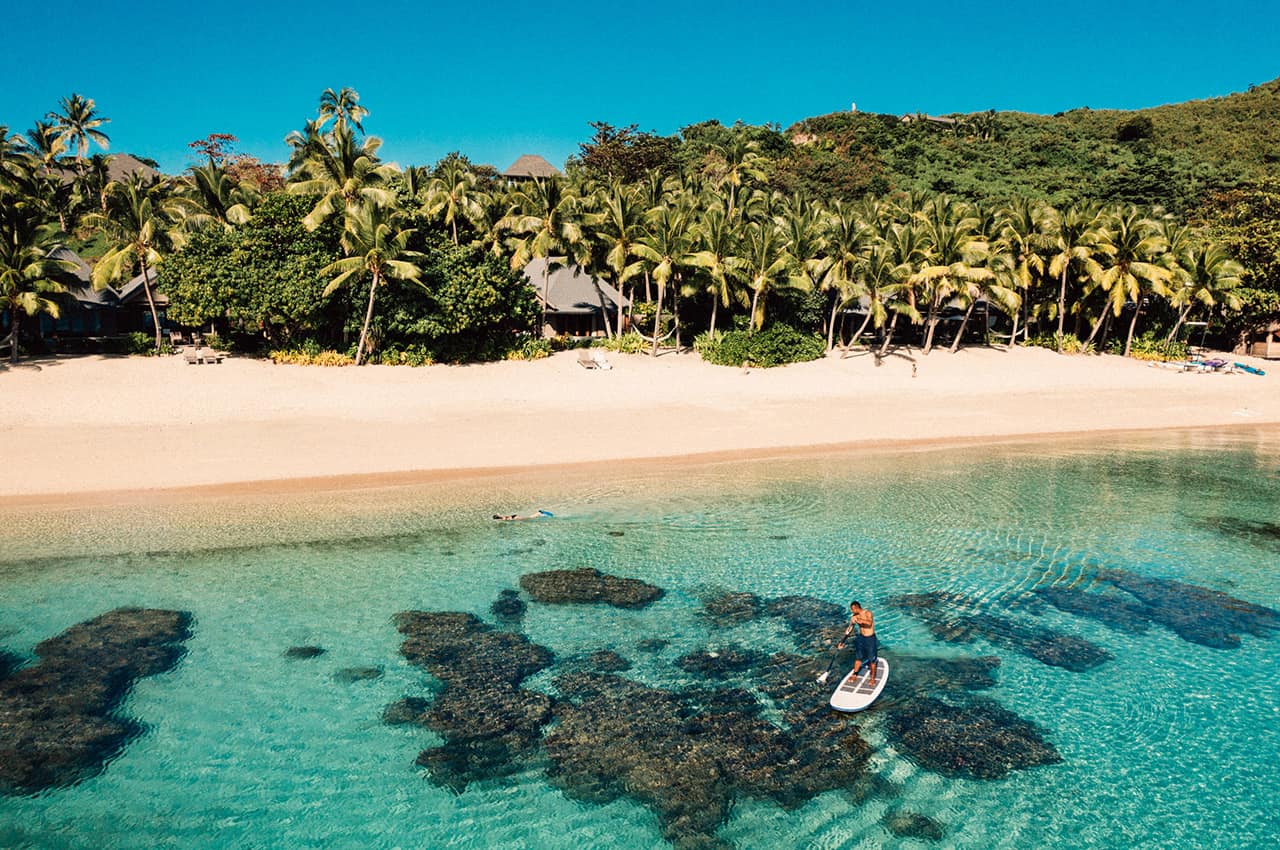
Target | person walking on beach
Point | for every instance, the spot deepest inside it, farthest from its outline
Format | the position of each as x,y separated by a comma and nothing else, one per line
865,645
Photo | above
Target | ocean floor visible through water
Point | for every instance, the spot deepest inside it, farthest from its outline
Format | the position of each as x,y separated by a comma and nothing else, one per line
1114,597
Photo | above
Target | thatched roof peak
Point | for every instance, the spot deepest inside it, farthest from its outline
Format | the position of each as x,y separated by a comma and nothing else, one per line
531,166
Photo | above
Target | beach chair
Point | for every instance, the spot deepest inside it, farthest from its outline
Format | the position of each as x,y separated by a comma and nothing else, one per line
210,355
601,361
190,355
586,359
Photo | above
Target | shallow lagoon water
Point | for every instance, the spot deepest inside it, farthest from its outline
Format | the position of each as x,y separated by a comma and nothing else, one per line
1169,744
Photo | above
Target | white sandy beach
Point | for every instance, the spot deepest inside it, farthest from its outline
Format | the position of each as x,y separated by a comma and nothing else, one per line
89,425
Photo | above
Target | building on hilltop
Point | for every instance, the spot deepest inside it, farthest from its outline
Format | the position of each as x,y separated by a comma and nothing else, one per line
530,167
577,302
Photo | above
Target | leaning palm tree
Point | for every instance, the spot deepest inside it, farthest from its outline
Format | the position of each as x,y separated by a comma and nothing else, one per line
953,256
666,246
612,230
1022,232
1131,246
374,246
1073,237
78,124
344,173
847,241
343,107
906,246
1205,275
28,271
138,224
764,265
451,194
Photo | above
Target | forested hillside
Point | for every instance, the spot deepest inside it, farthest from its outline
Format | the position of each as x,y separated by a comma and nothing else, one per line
1175,156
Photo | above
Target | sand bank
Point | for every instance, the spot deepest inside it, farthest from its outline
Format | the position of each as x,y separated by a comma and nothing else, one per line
89,425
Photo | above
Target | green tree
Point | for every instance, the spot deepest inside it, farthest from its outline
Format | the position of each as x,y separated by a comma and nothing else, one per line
345,174
77,125
952,259
1130,246
375,248
451,194
343,107
137,224
717,242
1073,236
546,222
28,271
667,246
1204,275
764,263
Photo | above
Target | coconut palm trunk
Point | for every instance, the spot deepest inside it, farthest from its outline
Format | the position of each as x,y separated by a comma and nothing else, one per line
1062,304
831,326
151,301
932,326
888,337
964,325
861,329
368,316
755,304
675,313
1133,323
15,320
1177,326
657,322
715,302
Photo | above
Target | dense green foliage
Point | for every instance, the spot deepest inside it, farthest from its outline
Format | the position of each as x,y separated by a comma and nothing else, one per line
774,346
1088,230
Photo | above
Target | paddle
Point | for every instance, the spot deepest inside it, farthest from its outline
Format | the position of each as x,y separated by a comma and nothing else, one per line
830,664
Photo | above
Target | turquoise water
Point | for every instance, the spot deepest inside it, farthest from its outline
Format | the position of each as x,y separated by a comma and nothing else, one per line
244,748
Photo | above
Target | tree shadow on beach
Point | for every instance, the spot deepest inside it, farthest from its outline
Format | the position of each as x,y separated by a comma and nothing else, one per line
30,364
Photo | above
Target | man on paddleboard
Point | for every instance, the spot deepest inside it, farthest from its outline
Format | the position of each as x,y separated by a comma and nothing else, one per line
865,645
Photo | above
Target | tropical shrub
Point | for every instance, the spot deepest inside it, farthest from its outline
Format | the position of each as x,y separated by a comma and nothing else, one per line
628,343
776,345
141,342
1071,344
409,355
1150,346
529,348
310,355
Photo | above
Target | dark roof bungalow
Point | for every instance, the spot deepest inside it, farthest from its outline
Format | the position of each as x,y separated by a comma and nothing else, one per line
576,301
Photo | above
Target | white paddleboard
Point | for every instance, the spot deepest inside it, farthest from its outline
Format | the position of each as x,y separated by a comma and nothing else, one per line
856,692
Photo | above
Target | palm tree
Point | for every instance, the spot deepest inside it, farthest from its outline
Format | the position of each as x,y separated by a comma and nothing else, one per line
906,247
546,222
716,235
953,251
733,164
765,262
28,272
78,125
667,247
219,198
1206,274
44,141
138,224
613,230
451,194
847,240
1072,239
802,223
344,173
375,247
344,106
1130,245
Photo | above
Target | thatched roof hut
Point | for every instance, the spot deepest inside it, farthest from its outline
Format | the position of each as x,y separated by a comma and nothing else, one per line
530,167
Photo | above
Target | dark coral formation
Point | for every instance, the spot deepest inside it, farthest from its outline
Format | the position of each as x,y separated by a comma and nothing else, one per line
607,661
408,710
1197,614
718,663
729,609
939,612
8,663
805,616
688,755
588,585
303,653
1115,610
350,675
918,675
906,824
976,740
652,644
1260,533
489,723
508,608
57,717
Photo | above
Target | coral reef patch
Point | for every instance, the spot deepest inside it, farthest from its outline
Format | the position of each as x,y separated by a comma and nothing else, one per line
588,585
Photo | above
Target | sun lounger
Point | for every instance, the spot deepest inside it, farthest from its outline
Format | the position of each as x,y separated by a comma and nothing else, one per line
189,355
587,360
210,355
601,361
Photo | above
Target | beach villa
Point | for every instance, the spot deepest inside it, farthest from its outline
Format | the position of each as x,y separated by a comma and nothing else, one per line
577,303
530,167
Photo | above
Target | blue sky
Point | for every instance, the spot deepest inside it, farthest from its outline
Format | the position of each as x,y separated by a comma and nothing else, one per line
495,80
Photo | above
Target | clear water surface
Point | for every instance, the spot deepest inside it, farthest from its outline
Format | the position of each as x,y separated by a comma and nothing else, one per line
246,749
